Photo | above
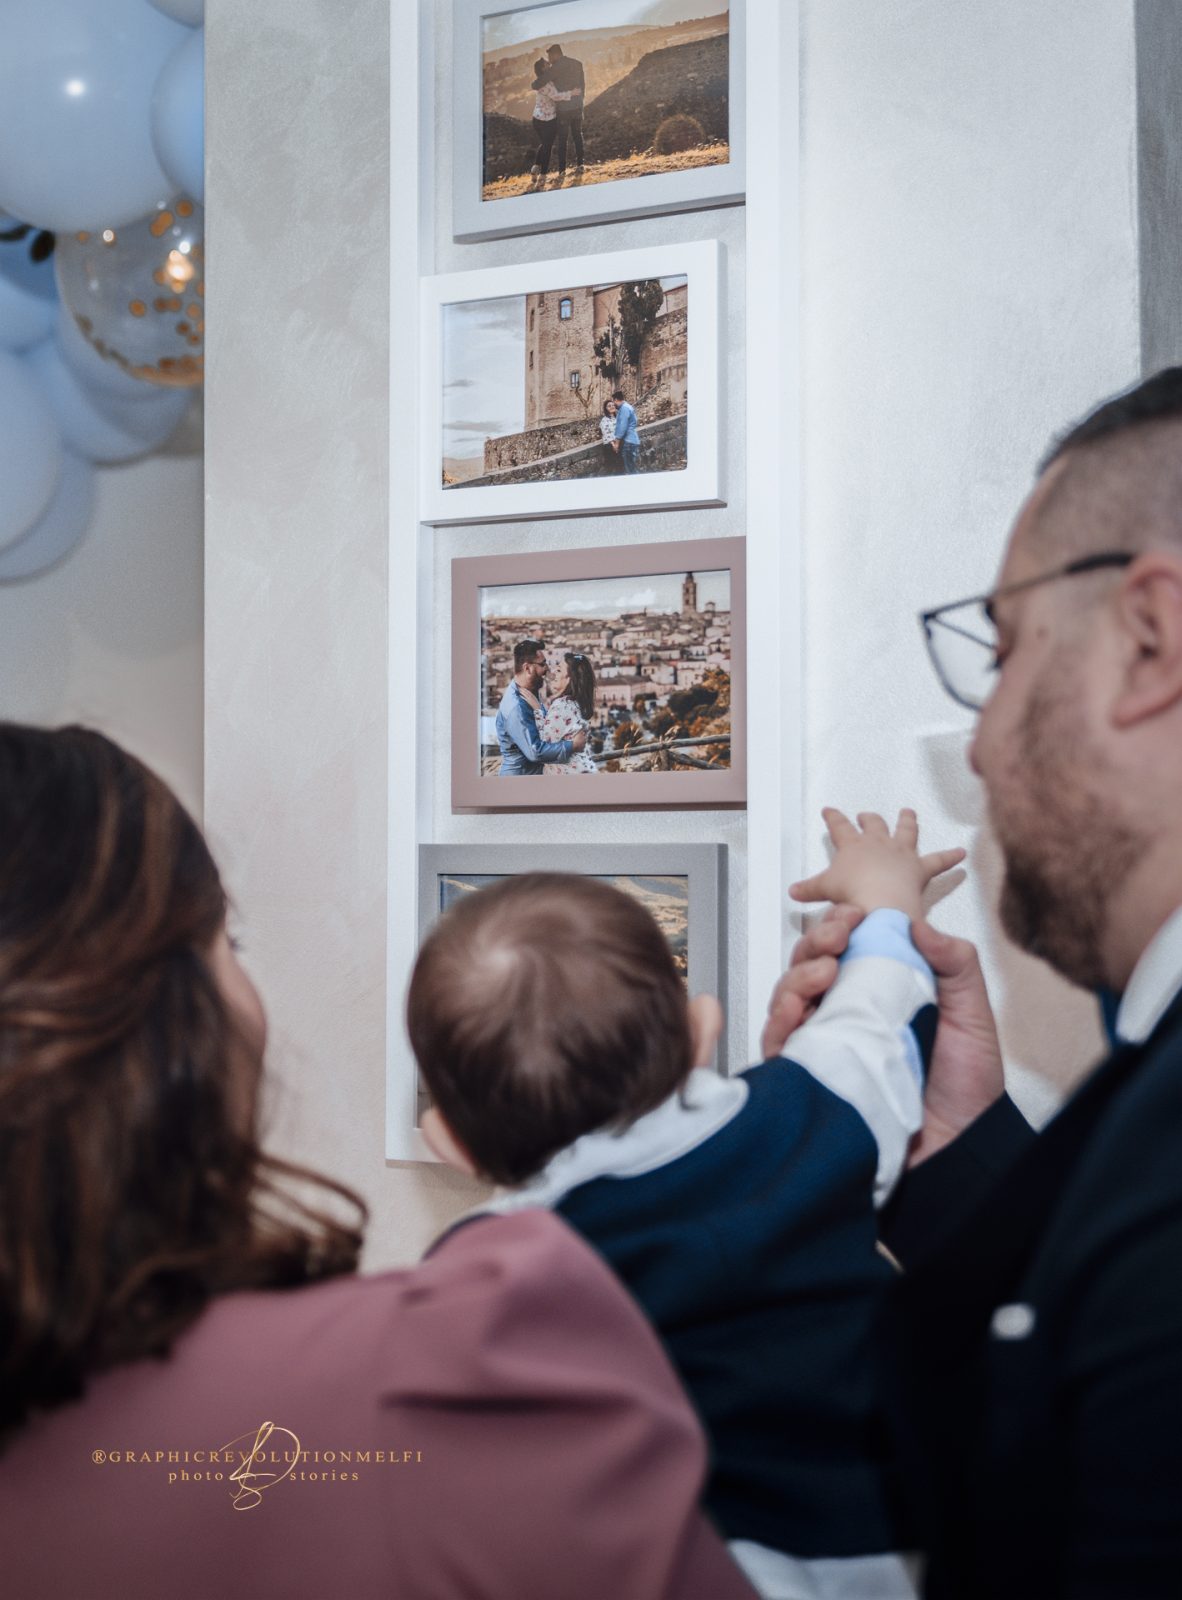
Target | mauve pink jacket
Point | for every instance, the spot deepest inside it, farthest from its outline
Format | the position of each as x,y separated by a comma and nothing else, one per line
553,1455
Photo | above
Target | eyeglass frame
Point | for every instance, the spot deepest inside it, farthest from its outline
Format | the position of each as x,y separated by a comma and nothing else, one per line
1092,563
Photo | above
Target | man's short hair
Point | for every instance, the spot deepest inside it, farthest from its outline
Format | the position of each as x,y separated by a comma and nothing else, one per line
1120,483
542,1008
1157,399
525,650
553,49
617,394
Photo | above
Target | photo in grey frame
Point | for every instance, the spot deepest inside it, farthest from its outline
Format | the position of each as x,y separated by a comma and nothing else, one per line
446,868
657,192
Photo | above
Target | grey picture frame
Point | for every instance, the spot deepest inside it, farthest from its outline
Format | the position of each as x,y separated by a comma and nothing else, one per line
658,194
703,865
473,791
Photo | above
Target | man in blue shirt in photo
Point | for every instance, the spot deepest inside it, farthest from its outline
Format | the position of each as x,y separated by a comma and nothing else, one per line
627,433
523,753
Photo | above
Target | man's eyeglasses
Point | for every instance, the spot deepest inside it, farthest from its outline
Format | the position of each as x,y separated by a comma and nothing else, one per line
962,636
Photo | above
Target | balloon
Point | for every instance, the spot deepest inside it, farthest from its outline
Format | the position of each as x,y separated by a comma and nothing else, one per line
18,263
30,449
100,427
25,318
100,376
137,293
59,528
178,116
76,81
190,11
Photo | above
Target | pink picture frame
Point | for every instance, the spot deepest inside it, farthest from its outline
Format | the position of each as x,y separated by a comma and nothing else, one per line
668,725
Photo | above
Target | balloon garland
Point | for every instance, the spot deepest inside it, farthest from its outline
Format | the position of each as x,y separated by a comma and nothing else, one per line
102,272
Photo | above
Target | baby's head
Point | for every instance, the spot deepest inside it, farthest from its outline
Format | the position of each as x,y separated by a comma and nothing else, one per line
544,1007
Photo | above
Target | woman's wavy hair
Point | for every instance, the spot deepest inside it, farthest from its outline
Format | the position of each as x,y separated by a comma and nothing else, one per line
581,688
132,1185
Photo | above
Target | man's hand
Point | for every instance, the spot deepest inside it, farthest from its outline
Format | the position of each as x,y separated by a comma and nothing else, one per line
578,739
812,968
965,1075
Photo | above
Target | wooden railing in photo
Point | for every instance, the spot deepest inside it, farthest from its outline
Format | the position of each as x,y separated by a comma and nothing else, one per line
666,751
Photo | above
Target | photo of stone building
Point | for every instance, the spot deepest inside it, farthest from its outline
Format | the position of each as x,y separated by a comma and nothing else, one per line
529,383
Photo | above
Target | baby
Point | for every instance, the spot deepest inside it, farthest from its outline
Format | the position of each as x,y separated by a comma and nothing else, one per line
553,1031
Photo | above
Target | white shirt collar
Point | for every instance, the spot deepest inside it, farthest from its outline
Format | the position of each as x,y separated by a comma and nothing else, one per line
670,1130
1156,979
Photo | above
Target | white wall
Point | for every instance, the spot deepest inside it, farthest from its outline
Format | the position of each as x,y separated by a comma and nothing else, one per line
970,286
112,636
970,272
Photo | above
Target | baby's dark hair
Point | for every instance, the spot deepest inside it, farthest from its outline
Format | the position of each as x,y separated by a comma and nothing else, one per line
541,1008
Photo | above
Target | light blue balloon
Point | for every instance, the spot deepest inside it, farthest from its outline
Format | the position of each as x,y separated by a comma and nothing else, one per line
178,116
190,11
100,427
76,81
25,318
98,373
17,264
58,529
30,449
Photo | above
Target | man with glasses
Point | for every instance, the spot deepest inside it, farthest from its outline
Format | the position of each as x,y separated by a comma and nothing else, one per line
1038,1326
524,753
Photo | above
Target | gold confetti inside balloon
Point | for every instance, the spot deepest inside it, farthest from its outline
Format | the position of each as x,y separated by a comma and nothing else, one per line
138,292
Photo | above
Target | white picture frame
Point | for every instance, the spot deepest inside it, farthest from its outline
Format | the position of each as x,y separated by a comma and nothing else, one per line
699,483
659,193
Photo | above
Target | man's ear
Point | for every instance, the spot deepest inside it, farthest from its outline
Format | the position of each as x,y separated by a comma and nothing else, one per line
705,1020
1149,610
444,1143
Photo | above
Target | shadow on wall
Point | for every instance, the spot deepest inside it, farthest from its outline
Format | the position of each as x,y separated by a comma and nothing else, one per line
1042,1019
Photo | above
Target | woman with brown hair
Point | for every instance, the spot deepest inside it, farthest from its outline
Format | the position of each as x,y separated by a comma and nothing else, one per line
571,708
183,1335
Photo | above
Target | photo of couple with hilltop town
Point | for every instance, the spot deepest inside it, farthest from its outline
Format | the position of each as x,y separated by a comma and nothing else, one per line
611,90
578,679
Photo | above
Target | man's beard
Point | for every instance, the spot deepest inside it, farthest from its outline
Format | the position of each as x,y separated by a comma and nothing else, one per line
1066,849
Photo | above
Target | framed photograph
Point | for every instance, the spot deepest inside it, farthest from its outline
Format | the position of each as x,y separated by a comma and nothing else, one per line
580,111
623,664
683,885
559,388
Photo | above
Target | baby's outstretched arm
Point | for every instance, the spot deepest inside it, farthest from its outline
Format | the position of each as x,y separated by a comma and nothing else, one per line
866,1040
873,868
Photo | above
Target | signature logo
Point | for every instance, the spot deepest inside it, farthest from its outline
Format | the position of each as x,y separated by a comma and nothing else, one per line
252,1481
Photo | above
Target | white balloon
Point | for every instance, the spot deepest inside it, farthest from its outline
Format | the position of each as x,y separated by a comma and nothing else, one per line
59,528
190,11
31,455
100,427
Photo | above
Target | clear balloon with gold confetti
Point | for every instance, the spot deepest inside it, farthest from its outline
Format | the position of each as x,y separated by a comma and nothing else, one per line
138,292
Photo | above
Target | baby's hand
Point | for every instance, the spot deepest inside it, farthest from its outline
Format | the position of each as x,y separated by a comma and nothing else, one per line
872,868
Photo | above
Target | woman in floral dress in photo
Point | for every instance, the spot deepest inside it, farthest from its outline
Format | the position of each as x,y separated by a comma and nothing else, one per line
572,708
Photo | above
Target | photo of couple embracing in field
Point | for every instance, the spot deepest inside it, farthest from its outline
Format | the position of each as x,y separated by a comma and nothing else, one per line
587,93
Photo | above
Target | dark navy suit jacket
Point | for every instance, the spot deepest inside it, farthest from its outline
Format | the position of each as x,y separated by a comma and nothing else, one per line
1039,1336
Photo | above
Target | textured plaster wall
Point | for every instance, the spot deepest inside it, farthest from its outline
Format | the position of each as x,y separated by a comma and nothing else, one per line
970,285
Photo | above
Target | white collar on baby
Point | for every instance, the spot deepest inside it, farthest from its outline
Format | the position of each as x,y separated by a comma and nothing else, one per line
661,1135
